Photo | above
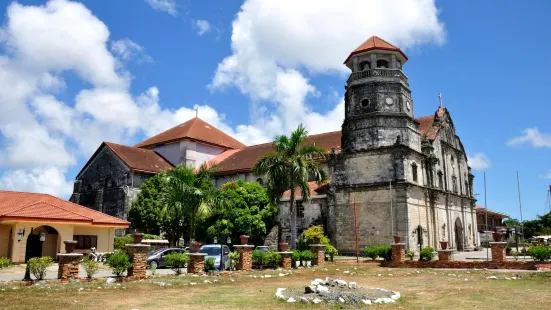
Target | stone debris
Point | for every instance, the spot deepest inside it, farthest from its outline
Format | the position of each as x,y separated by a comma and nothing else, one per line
352,285
341,300
316,300
309,289
109,281
321,288
267,276
282,274
207,282
346,271
192,283
492,277
379,275
506,278
341,282
366,301
304,300
395,296
291,299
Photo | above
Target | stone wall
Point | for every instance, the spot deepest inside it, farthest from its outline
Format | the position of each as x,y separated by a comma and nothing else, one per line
315,213
272,239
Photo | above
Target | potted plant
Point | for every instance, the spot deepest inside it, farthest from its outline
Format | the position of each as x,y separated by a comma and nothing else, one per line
283,246
244,239
317,239
70,246
444,244
194,246
138,237
497,236
397,237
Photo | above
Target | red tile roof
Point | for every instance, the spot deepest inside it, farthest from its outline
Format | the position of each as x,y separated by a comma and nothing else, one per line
141,160
24,206
375,43
315,189
244,159
194,129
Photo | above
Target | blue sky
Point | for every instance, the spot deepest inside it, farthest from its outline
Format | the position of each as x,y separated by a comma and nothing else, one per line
75,74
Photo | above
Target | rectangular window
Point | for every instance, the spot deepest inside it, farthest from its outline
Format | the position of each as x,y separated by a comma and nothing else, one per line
300,209
85,242
440,180
414,172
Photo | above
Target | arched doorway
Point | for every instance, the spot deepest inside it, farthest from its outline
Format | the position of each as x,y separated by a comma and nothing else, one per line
459,235
42,241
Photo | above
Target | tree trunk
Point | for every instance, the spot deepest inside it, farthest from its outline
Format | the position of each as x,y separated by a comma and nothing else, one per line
293,212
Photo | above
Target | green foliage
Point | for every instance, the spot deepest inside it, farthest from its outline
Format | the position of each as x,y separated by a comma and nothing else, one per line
410,254
209,264
307,237
372,252
258,257
4,262
331,251
243,209
307,255
90,266
540,252
508,250
233,259
177,261
385,252
38,265
426,254
119,262
295,257
271,259
120,242
515,255
539,226
145,212
153,269
289,168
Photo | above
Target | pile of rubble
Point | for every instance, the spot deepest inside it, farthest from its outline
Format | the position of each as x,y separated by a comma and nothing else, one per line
337,291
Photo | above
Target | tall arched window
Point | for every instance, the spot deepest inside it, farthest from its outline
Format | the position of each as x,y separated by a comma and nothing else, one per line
382,64
414,171
440,180
365,65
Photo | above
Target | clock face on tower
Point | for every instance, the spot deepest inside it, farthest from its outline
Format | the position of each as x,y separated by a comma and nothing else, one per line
389,101
408,105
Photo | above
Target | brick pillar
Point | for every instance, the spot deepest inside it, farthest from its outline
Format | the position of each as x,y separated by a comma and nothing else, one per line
445,255
245,257
196,263
319,254
398,253
286,261
498,252
68,266
138,257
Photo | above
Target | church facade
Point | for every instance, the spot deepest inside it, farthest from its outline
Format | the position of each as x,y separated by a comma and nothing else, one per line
390,172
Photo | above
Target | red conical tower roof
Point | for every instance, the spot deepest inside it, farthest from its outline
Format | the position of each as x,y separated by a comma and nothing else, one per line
375,43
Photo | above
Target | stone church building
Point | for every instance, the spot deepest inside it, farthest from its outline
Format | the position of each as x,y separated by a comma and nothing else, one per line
401,174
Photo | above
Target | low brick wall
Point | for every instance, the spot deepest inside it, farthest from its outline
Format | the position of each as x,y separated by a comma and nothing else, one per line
245,257
196,263
463,265
286,261
138,256
68,267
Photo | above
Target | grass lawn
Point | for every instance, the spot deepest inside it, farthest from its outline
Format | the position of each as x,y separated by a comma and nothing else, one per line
420,289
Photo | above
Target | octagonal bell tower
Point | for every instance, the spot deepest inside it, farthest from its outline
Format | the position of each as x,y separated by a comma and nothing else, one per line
378,105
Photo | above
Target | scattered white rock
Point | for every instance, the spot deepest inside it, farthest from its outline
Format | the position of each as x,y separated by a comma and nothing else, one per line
316,300
492,277
466,279
321,288
304,300
506,278
320,281
291,299
366,301
207,282
390,274
395,296
192,283
341,282
346,271
194,275
341,300
352,285
379,275
268,276
282,274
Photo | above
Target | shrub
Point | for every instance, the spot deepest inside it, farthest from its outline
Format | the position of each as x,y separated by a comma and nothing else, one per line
540,252
151,237
258,257
331,251
177,261
272,258
306,238
295,257
38,265
233,259
119,261
385,252
90,266
4,262
120,242
372,252
426,254
410,254
153,269
209,264
508,250
307,255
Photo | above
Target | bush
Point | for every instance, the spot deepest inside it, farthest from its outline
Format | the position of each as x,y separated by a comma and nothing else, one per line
119,262
295,257
258,257
38,265
331,251
372,252
209,264
385,252
177,261
540,252
307,237
508,250
410,254
4,262
272,258
233,259
90,266
120,242
426,254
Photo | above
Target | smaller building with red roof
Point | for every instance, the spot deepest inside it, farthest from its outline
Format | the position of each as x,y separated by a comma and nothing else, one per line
35,225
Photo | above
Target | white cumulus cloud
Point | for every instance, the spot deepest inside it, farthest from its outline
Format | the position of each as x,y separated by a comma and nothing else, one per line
128,50
203,26
168,6
479,161
533,137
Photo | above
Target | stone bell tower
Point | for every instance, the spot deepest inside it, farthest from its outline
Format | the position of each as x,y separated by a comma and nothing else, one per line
379,134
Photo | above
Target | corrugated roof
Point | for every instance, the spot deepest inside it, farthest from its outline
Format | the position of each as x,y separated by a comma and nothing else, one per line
375,43
195,129
138,159
44,207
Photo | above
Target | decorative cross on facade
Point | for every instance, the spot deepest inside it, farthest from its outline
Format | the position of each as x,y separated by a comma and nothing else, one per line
196,111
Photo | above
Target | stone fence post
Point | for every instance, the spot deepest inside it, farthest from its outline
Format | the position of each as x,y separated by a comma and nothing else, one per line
286,261
498,252
319,254
445,255
245,257
138,256
68,266
398,253
196,263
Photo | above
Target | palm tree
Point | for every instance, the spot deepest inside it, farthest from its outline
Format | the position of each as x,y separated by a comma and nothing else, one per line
290,167
187,195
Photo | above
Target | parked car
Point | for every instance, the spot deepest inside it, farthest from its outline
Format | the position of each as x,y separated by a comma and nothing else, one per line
156,259
262,248
218,252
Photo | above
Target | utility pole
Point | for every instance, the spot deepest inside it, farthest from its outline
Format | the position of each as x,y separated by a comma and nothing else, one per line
356,230
486,209
520,206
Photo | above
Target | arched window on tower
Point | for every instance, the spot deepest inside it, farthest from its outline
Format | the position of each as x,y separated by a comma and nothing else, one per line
454,183
440,180
467,191
414,171
365,65
382,64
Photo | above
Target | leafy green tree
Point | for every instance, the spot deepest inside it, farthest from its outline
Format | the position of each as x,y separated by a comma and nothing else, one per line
244,208
187,196
290,167
512,223
145,212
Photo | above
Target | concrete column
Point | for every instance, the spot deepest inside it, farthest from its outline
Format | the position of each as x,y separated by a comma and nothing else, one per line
68,266
245,257
393,62
398,253
373,61
445,255
196,263
355,65
319,254
138,256
498,252
286,261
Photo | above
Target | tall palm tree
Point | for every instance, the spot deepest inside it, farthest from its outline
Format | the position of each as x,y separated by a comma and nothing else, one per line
187,195
290,167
